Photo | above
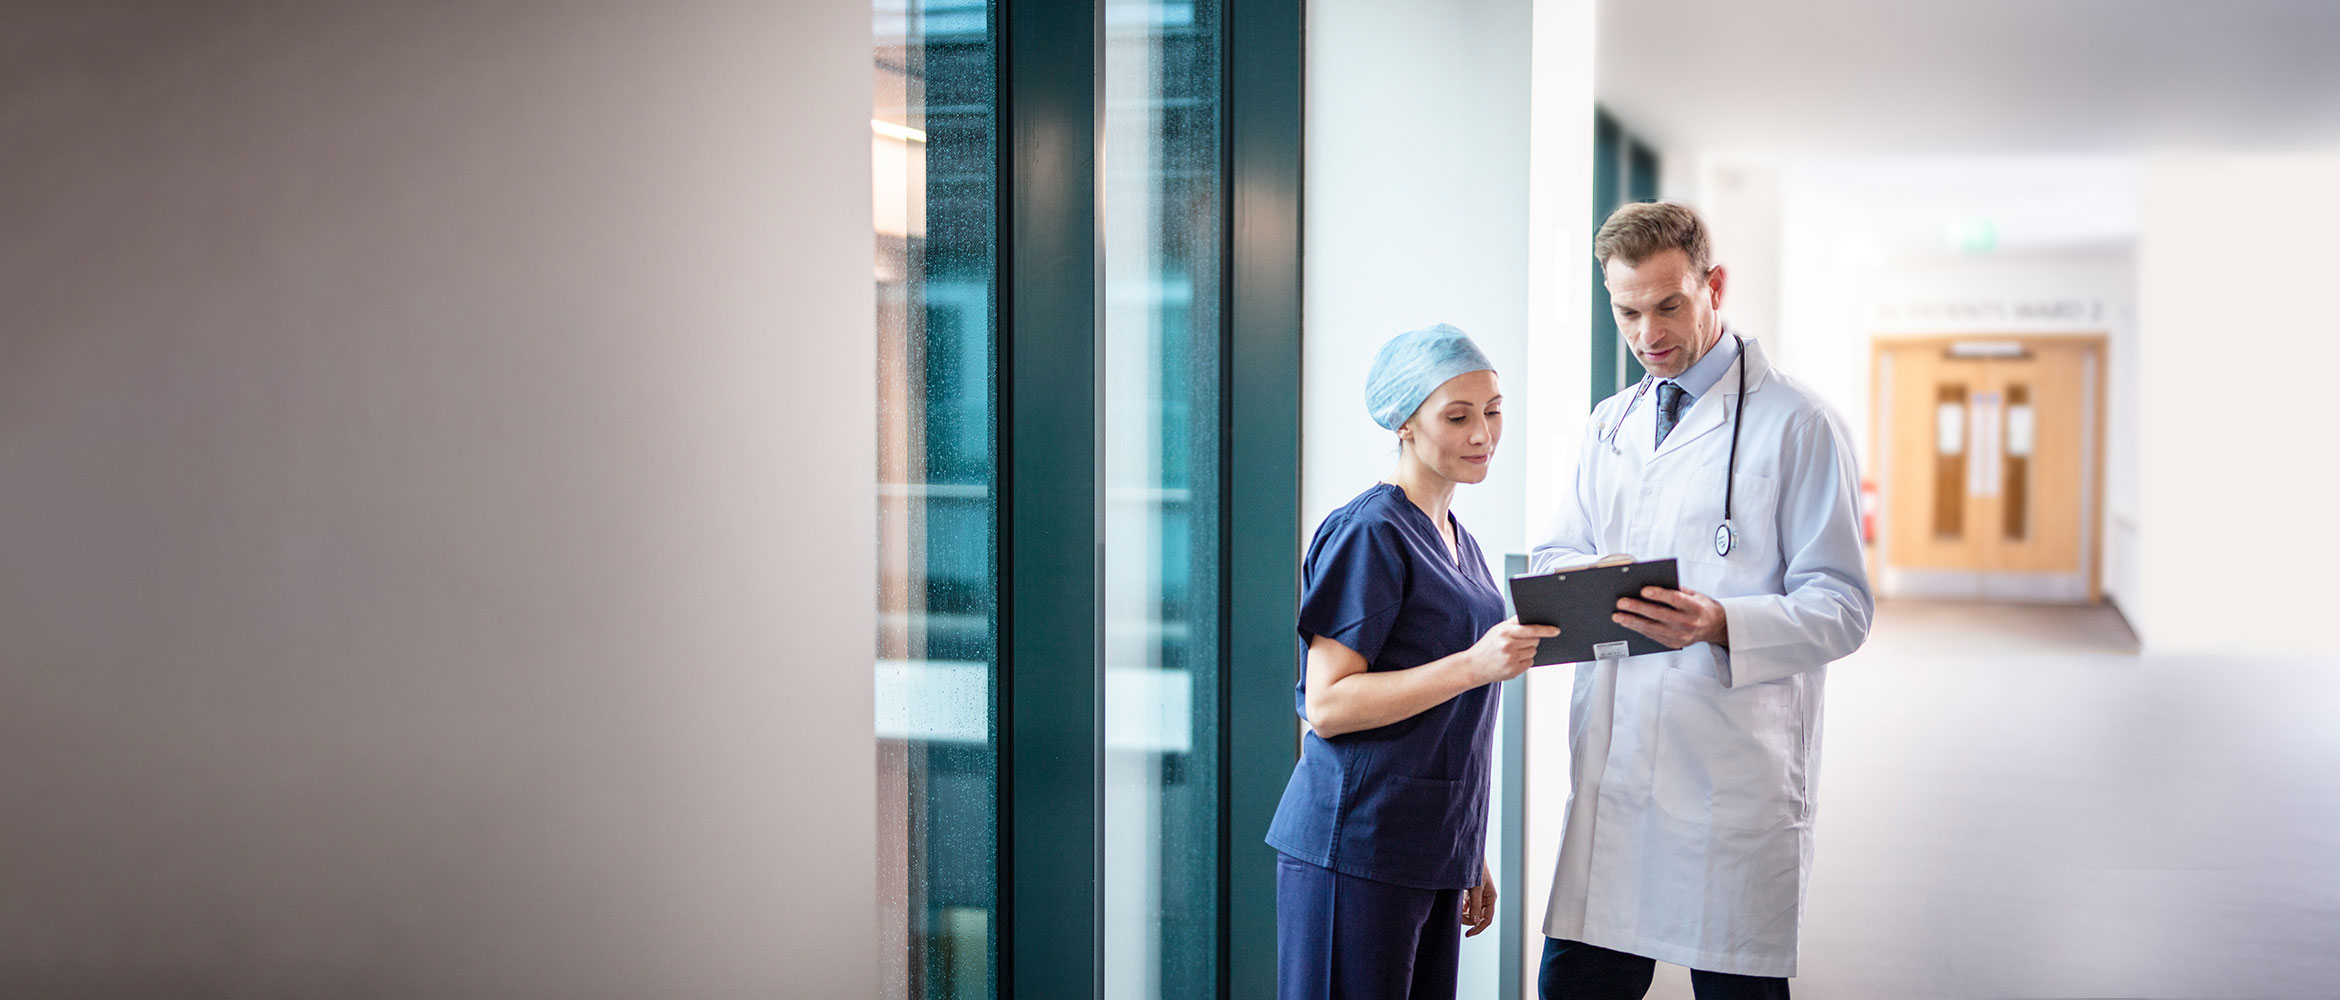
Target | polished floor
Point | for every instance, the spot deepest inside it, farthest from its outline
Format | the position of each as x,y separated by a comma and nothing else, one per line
2014,803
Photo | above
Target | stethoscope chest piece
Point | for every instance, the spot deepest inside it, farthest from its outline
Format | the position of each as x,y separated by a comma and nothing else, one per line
1725,539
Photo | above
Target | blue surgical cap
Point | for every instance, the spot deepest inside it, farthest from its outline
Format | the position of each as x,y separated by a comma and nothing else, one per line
1412,366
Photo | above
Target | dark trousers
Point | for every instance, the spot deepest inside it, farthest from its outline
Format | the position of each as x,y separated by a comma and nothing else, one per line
1339,937
1574,970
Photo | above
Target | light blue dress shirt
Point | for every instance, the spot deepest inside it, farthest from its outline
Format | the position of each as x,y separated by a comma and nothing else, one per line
1708,370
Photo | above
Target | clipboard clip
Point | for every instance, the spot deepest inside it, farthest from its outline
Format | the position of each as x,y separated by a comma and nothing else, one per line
1605,562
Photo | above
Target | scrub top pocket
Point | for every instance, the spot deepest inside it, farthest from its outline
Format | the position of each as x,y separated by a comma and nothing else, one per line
1404,820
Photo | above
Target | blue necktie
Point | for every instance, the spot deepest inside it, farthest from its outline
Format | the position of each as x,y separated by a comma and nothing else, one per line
1671,399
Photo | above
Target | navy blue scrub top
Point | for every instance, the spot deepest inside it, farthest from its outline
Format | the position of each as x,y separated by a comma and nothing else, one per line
1405,803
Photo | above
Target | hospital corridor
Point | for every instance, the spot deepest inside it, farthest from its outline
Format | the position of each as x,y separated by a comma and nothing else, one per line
2018,803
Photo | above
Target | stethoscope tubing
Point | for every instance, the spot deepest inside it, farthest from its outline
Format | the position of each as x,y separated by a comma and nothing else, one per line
1726,539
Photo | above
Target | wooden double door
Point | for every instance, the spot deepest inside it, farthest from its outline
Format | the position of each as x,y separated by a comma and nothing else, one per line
1988,452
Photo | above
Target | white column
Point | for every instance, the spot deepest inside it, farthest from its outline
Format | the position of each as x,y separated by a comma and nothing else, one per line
1560,371
1449,180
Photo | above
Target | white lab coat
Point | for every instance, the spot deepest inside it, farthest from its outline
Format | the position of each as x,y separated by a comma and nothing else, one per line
1688,835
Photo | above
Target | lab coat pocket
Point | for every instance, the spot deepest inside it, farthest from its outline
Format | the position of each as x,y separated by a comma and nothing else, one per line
1725,755
1754,516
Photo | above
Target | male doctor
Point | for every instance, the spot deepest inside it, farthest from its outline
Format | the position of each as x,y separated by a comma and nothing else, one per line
1688,835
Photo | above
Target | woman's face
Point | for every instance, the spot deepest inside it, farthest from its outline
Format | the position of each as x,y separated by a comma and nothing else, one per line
1454,432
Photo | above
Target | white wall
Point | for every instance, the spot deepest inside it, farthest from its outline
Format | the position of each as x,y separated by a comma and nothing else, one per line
2238,343
1740,199
1417,182
1447,163
413,420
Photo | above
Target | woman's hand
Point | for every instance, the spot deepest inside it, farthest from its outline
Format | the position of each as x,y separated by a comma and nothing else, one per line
1506,651
1342,695
1478,911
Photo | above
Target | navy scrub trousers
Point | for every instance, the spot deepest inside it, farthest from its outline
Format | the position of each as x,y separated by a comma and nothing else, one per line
1380,831
1340,936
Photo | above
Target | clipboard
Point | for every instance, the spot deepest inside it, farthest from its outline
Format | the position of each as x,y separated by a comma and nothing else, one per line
1581,602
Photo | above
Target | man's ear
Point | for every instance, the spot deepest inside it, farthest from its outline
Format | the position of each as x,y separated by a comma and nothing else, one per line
1714,286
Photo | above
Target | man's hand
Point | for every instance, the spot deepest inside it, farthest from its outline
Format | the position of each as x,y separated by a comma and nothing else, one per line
1675,617
1478,910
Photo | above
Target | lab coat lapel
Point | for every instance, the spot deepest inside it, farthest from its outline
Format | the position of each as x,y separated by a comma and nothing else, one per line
1712,411
1705,415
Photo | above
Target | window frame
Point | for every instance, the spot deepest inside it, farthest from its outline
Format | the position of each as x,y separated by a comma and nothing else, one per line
1049,694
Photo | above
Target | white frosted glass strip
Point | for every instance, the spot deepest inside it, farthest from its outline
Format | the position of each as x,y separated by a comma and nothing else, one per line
2019,431
1149,709
938,701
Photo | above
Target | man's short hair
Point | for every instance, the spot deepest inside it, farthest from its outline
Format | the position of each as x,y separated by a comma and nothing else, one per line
1644,229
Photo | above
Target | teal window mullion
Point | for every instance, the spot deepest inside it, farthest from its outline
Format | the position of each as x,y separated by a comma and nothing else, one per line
1051,703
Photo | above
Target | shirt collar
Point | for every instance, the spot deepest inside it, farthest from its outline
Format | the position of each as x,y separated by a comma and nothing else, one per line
1702,376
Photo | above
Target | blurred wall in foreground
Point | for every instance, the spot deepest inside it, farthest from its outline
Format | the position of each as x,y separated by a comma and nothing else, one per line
436,501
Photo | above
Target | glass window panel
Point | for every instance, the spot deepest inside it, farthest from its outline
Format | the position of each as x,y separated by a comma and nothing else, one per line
2019,430
1950,470
2016,502
933,158
1162,237
1949,428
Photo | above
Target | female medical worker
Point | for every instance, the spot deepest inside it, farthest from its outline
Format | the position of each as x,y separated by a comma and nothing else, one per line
1382,830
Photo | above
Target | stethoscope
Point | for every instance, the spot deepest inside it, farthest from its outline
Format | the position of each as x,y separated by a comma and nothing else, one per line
1726,537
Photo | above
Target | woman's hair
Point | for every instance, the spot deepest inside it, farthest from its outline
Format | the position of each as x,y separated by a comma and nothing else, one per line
1412,366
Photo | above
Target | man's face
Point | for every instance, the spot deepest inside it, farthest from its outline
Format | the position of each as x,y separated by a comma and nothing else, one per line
1665,309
